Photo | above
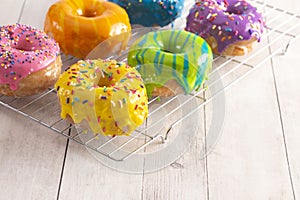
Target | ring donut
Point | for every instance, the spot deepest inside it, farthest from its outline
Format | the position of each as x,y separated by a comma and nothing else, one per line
80,25
171,61
152,13
29,61
231,27
109,95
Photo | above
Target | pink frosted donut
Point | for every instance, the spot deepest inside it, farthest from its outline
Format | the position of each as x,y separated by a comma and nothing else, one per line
29,60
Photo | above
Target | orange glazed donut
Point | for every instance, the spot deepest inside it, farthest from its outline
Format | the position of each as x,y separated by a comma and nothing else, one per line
80,25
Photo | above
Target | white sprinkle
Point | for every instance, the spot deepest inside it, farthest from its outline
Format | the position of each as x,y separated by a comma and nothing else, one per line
102,74
237,4
121,104
208,16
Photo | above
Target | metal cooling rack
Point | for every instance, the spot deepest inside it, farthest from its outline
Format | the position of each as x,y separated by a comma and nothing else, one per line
282,28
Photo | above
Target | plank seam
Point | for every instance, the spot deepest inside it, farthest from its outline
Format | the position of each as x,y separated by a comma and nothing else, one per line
281,122
22,10
63,165
205,149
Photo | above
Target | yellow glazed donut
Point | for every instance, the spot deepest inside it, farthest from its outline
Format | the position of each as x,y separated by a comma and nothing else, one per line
109,95
80,25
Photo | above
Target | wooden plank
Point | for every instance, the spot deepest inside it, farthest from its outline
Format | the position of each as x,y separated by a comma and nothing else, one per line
287,85
30,158
290,5
249,160
87,178
287,73
31,155
34,12
184,179
10,11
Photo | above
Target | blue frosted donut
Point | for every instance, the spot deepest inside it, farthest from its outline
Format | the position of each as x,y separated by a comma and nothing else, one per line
151,12
166,55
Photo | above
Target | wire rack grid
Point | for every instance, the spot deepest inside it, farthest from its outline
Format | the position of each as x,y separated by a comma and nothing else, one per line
281,28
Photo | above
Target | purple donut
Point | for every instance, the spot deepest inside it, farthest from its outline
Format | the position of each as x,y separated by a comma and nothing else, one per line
233,24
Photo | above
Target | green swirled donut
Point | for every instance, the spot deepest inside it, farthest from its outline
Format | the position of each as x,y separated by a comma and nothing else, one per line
166,55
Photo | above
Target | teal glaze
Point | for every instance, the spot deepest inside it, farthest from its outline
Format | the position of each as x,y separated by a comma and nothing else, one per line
164,55
151,12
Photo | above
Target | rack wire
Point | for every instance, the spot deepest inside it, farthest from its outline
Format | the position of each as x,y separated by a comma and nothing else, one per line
282,28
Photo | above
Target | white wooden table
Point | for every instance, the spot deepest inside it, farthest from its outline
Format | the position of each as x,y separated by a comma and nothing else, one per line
256,157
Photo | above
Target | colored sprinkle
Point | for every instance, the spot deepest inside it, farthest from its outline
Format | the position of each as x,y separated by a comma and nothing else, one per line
76,99
84,101
228,29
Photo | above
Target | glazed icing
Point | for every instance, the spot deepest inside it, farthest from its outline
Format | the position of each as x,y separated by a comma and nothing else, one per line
24,50
109,95
228,21
151,12
80,25
171,55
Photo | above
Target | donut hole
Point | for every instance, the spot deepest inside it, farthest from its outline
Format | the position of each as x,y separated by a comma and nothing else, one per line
89,12
104,82
233,11
24,47
173,50
166,50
